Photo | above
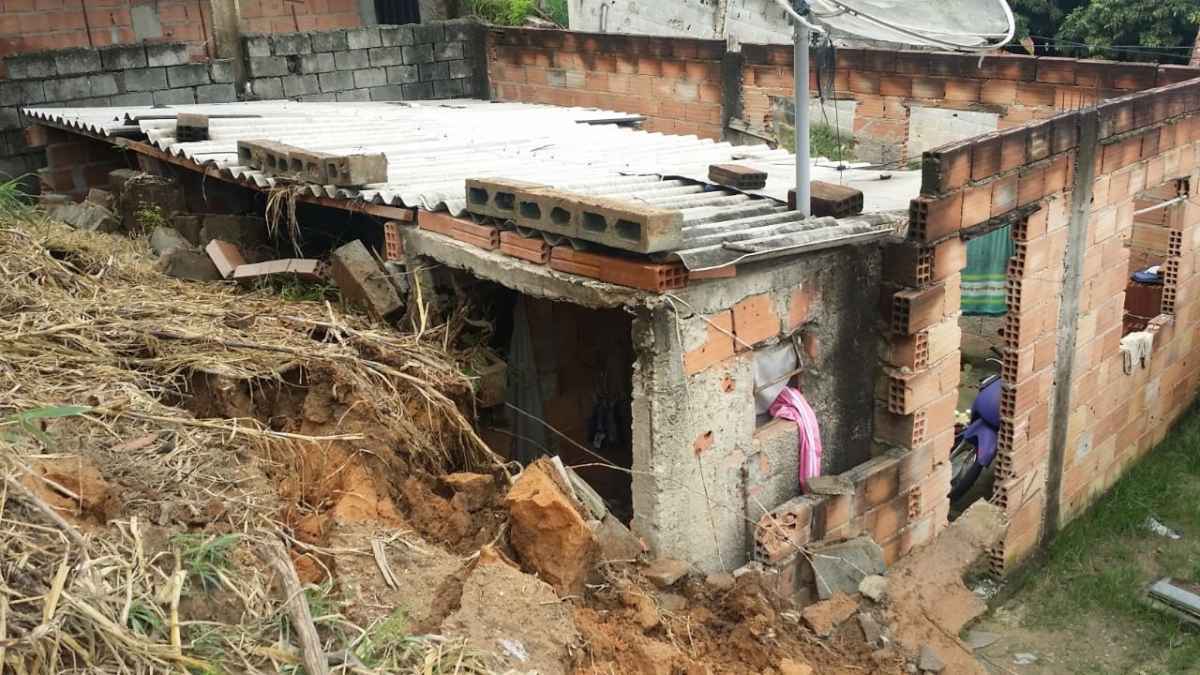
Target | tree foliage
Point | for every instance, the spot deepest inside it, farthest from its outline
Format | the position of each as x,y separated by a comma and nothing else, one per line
1093,27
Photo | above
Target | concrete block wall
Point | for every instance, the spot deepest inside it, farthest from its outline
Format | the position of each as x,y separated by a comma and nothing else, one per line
30,26
122,75
705,470
674,82
1071,419
372,63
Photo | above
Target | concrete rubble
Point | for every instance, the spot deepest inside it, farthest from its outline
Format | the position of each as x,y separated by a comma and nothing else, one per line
840,568
362,279
825,616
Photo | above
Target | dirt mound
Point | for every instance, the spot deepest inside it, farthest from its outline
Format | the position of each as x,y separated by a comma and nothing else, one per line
73,487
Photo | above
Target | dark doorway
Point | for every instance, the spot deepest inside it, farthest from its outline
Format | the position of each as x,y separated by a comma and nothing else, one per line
397,11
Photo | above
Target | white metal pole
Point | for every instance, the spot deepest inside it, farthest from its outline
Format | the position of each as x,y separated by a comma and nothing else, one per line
803,161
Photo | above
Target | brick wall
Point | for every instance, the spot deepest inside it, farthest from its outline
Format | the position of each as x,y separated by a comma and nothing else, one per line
373,63
1071,419
674,82
39,25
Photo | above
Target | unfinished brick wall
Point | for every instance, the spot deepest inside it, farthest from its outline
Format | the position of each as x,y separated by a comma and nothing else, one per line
888,84
675,83
1071,419
27,26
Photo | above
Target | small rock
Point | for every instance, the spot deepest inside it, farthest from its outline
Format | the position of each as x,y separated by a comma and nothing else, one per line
720,581
979,639
477,489
102,197
823,617
191,265
928,660
793,667
872,633
873,586
665,571
165,239
672,602
1025,659
830,485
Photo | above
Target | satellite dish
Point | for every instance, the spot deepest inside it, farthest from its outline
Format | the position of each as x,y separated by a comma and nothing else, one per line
961,25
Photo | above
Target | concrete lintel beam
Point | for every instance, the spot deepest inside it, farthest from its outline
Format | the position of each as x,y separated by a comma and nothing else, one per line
533,280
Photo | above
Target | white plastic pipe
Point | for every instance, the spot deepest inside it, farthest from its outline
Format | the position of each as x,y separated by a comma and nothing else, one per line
803,160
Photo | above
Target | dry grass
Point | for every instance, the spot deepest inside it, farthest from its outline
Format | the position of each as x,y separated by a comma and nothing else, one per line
86,322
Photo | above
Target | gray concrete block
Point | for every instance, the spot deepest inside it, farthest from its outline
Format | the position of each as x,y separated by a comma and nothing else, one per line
354,95
387,56
418,54
188,75
267,88
434,71
181,96
76,61
317,63
390,92
361,278
189,265
396,36
268,66
287,44
29,66
418,91
403,75
224,92
24,92
256,45
428,33
123,57
462,30
447,89
338,80
352,60
461,68
133,99
370,77
299,85
448,51
329,41
146,79
363,38
104,84
166,54
221,70
68,88
319,98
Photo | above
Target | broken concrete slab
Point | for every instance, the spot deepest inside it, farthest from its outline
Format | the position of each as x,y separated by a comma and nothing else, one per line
225,255
873,586
102,197
872,631
664,572
547,532
183,263
87,216
362,279
839,568
616,541
166,239
825,616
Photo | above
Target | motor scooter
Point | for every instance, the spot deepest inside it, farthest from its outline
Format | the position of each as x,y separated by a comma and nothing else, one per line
975,445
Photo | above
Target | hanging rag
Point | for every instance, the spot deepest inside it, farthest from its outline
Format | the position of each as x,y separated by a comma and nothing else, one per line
983,278
1136,349
790,405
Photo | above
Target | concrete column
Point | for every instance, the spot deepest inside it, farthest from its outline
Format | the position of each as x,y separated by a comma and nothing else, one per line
366,12
227,35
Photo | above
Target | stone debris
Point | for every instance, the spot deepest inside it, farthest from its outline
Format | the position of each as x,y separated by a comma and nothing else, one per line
825,616
616,541
664,572
547,532
362,279
102,197
87,216
839,568
830,485
928,661
183,263
873,586
872,631
165,239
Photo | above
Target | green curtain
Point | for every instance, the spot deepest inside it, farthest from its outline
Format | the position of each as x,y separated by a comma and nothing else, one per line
983,278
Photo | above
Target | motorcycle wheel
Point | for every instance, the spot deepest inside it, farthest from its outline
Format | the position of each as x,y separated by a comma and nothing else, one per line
965,469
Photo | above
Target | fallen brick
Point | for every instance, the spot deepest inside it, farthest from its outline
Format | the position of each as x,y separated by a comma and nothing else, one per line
362,278
303,268
225,255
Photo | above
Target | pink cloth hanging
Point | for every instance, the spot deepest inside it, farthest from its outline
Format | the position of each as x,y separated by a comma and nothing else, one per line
790,405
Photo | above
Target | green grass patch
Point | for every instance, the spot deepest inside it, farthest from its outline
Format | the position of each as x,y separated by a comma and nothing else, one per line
823,141
205,557
1096,570
15,202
